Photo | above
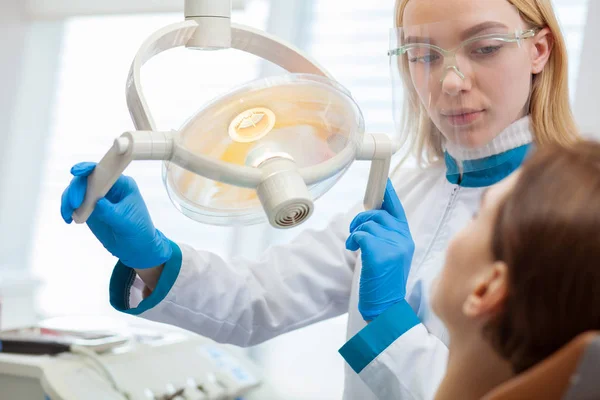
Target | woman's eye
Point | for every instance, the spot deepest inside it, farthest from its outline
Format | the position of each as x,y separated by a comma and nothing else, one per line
428,59
487,50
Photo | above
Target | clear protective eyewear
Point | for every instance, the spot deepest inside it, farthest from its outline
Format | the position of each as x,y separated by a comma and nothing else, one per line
427,56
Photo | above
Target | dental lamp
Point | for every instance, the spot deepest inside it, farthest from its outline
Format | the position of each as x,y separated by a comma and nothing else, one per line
266,149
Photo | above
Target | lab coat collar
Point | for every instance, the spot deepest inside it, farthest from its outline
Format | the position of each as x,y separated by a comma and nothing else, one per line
511,146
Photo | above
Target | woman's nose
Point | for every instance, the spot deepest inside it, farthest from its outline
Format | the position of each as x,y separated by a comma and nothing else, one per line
454,81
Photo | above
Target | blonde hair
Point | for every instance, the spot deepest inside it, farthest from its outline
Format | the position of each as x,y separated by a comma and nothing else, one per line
549,108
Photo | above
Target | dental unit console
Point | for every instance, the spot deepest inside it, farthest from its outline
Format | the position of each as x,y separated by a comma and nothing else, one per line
155,363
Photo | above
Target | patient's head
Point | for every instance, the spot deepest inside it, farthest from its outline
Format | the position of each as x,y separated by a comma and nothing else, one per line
525,273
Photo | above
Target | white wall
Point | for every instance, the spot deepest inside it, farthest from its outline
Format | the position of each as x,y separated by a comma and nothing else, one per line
28,77
11,59
11,26
587,98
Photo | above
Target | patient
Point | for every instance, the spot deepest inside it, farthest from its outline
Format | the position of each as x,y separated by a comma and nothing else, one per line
523,278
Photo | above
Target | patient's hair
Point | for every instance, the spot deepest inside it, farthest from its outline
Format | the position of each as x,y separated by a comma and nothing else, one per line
548,233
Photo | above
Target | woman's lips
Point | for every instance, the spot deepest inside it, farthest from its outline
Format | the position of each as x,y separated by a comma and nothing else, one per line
464,118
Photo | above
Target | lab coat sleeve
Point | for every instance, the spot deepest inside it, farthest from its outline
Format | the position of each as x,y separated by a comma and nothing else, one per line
247,302
397,357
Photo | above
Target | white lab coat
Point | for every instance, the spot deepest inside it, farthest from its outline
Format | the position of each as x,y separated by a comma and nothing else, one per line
315,278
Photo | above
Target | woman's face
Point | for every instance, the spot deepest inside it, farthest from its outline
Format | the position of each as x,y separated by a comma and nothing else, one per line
469,259
495,88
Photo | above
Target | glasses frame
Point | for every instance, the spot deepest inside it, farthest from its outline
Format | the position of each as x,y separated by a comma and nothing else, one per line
515,37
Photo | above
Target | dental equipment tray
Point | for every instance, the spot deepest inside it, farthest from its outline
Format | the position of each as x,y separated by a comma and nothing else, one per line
175,366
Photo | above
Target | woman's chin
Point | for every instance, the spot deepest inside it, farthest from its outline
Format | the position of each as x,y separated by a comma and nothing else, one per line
471,140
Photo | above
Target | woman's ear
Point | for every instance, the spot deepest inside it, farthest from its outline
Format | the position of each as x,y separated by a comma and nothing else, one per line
543,42
489,293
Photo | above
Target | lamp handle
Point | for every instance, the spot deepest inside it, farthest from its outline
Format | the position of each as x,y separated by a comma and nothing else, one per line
102,178
138,145
378,148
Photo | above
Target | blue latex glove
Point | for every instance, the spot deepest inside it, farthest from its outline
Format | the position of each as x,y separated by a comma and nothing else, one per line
387,250
120,221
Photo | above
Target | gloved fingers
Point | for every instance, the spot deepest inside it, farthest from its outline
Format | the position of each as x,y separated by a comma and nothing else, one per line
361,218
72,197
376,230
107,212
123,187
359,240
381,217
83,168
66,211
391,202
120,217
392,207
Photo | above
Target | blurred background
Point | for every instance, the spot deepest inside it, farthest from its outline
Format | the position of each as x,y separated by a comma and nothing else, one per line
62,100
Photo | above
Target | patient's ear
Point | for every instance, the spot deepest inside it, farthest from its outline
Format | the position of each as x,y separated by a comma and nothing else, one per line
489,293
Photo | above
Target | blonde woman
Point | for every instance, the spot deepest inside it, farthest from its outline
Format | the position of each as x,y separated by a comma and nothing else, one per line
482,80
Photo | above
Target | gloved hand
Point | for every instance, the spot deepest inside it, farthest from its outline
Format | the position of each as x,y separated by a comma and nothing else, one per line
120,221
387,250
